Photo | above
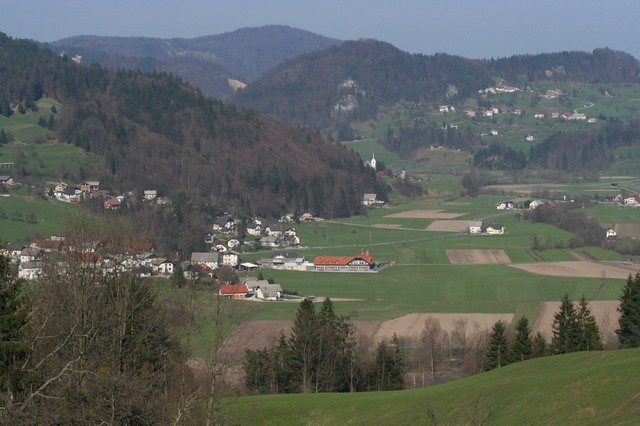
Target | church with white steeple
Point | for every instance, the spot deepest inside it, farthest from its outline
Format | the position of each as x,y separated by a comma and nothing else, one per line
372,163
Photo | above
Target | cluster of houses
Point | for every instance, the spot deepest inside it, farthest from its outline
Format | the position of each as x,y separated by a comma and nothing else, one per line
568,116
292,261
91,189
139,258
531,205
628,200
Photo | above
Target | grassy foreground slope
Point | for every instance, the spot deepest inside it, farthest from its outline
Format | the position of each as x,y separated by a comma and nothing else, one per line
580,388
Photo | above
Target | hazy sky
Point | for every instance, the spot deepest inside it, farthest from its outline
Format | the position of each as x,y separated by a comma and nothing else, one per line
470,28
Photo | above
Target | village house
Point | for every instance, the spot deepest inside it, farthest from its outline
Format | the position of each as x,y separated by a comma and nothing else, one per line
150,194
535,204
506,205
632,200
90,186
30,270
254,229
611,234
233,291
189,271
6,180
208,259
162,266
29,254
475,227
112,204
269,241
223,223
494,229
307,217
362,262
538,115
274,230
231,259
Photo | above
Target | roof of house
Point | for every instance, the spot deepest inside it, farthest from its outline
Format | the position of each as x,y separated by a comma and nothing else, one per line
4,178
275,227
201,257
233,289
343,260
271,290
475,224
48,244
495,226
222,220
112,202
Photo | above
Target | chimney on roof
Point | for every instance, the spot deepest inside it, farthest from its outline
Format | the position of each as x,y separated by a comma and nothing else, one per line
367,252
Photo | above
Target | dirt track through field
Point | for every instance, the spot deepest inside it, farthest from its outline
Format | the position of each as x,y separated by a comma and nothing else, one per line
604,311
477,256
583,269
448,225
628,230
425,214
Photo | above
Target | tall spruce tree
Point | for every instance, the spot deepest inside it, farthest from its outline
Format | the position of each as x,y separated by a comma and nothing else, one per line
498,353
566,333
304,344
522,345
389,366
590,337
539,346
629,331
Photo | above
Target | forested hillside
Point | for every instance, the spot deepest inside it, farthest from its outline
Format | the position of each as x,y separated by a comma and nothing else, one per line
351,81
599,66
206,62
157,133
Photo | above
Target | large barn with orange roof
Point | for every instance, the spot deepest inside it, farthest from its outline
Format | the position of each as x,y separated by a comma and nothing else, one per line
362,262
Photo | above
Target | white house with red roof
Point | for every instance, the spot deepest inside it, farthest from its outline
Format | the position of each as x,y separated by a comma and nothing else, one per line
234,291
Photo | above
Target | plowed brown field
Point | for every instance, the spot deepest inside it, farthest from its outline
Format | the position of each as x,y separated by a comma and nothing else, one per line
477,256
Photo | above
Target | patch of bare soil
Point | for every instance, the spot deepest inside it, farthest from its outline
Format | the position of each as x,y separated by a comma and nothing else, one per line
386,225
604,311
448,225
628,230
411,325
425,214
583,269
581,255
457,256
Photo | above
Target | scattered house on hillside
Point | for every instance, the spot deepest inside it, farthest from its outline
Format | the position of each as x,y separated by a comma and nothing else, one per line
611,234
274,230
517,112
555,115
254,229
112,204
13,251
362,262
90,186
269,241
475,227
307,217
233,291
592,120
162,266
506,205
538,115
446,108
6,180
60,187
231,259
69,195
30,270
530,138
29,254
632,200
47,246
493,132
535,204
189,271
286,218
223,223
150,194
208,259
371,200
494,229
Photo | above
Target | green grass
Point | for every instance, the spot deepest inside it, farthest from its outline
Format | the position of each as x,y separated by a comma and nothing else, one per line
401,290
50,216
582,388
24,127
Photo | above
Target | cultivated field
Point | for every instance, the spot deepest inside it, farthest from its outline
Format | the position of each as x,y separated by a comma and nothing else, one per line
410,326
425,214
605,312
448,225
628,230
526,188
477,256
387,225
585,269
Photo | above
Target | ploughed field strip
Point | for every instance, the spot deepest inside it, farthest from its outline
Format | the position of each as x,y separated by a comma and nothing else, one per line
448,225
604,311
628,230
474,256
581,269
581,255
387,225
424,214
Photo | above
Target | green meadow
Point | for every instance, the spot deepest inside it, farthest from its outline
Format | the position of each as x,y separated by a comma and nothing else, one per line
586,388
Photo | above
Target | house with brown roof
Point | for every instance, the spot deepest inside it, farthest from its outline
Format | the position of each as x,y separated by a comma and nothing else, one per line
234,291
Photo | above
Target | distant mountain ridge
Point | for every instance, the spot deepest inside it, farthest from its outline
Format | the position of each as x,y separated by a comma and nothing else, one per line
206,62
